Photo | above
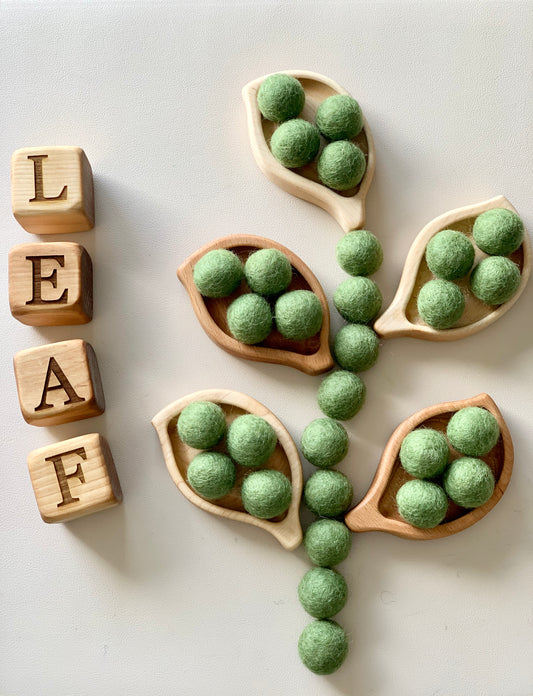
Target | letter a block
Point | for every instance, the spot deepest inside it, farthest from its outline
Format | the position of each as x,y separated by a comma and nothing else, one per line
73,478
58,383
50,284
52,190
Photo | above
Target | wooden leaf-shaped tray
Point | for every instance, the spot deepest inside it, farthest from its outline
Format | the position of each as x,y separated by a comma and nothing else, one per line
378,512
402,318
347,207
285,528
312,356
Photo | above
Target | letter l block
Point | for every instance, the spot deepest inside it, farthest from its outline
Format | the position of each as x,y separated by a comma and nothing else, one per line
52,190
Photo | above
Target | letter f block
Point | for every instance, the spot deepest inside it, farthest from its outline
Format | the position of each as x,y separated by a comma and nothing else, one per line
52,190
58,383
73,478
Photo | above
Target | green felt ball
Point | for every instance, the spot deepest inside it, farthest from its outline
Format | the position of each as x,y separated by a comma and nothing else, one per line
268,272
422,503
298,314
201,424
450,255
324,442
339,117
295,143
266,493
341,395
469,482
249,318
323,646
495,280
359,253
251,440
218,273
498,231
341,165
322,592
424,453
358,300
473,431
328,493
280,97
327,542
440,303
211,474
356,347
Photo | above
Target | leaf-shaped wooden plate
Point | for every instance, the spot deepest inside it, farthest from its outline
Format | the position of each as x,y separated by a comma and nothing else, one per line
285,528
311,356
347,207
401,318
378,512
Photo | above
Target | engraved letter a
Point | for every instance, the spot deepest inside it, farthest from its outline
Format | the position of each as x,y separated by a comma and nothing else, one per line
53,368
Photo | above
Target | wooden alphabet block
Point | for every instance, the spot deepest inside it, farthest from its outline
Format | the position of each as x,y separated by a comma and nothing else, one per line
73,478
58,383
52,189
50,284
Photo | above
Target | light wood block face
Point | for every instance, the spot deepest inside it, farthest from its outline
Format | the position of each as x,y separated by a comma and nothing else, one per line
52,190
58,383
50,284
73,478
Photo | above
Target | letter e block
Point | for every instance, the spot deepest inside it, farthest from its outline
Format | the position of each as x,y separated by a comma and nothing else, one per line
52,190
73,478
50,284
58,383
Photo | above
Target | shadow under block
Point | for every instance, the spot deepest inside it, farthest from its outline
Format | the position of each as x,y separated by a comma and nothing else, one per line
52,190
58,383
50,284
73,478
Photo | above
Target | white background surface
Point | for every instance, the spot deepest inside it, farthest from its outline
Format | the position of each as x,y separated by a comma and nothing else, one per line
156,597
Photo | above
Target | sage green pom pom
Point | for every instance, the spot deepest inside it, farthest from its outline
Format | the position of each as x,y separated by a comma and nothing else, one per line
322,592
266,493
218,273
298,314
251,440
341,395
356,347
440,303
341,165
211,474
201,424
324,442
339,117
359,253
280,97
328,493
422,503
424,453
323,646
498,232
473,431
268,272
327,542
249,318
469,482
450,255
295,143
495,280
358,300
